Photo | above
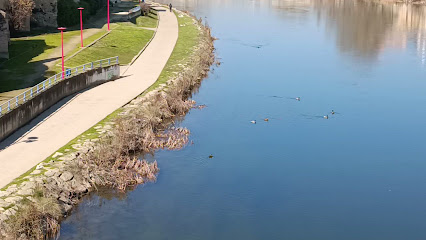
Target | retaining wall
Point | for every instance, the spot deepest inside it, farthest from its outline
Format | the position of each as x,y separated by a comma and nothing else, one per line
22,115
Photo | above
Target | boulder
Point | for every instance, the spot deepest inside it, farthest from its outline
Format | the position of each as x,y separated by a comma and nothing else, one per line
66,176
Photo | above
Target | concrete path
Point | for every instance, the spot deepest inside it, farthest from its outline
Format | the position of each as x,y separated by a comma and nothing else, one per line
73,116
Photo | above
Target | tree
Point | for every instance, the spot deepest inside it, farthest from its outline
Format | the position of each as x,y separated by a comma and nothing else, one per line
20,12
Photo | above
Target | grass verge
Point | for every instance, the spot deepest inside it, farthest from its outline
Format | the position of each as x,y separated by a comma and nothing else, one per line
189,35
114,45
150,21
25,57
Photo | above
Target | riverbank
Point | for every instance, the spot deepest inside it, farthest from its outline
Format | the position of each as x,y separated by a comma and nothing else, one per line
104,155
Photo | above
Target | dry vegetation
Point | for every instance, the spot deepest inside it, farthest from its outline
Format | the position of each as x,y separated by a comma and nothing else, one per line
113,161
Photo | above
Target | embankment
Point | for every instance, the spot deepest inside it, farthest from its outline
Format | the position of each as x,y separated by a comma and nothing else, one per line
106,155
35,106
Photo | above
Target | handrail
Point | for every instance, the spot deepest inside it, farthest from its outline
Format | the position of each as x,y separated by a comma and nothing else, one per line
15,102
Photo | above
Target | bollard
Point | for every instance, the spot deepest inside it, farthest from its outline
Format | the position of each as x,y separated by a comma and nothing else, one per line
44,85
17,101
31,93
25,97
37,89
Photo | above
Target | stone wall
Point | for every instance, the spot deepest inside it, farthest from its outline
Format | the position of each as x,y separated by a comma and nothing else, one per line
3,4
4,35
20,116
45,13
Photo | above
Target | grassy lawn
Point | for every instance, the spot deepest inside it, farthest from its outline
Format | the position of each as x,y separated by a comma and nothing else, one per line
150,21
25,56
57,68
188,39
125,41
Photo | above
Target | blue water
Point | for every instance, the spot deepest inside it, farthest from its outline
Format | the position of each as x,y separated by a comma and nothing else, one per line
361,174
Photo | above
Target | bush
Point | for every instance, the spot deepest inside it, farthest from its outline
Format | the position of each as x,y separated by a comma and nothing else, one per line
68,15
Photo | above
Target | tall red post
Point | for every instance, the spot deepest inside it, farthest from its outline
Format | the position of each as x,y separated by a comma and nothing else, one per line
62,29
108,14
81,25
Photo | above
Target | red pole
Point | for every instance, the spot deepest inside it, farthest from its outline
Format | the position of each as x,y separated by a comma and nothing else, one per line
108,15
81,25
62,44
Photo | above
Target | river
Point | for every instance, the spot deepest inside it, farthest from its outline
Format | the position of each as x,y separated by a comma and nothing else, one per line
360,174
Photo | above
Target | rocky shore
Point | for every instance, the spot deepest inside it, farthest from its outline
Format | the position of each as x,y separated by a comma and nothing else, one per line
33,205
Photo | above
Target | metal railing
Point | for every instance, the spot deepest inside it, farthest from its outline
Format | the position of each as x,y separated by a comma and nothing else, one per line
20,99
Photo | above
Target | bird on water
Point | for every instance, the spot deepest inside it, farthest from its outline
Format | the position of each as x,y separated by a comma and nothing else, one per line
253,121
326,117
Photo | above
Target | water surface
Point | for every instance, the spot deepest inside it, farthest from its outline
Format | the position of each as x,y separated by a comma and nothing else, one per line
358,175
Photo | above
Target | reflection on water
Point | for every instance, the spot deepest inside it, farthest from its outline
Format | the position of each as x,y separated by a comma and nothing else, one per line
365,28
361,28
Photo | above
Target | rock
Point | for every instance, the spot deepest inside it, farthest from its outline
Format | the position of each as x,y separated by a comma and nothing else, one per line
40,166
66,208
36,172
64,198
66,176
67,157
3,193
57,154
50,173
81,189
11,190
28,185
3,203
9,212
25,192
13,200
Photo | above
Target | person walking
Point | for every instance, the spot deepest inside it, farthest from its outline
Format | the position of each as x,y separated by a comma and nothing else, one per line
170,6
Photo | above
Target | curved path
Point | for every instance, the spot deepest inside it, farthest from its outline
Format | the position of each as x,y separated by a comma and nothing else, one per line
71,117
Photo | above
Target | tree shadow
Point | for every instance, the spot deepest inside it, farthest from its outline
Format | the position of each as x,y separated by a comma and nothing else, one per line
19,71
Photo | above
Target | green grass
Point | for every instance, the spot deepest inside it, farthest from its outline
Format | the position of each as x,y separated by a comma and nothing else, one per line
150,21
189,36
125,41
25,56
57,68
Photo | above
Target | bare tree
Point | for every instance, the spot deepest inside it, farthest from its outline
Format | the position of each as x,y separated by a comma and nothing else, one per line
145,8
20,11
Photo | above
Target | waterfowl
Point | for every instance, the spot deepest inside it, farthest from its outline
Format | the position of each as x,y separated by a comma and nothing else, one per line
326,116
266,119
210,156
253,121
332,112
298,98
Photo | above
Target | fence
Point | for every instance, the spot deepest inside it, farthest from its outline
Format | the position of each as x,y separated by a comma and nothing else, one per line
48,83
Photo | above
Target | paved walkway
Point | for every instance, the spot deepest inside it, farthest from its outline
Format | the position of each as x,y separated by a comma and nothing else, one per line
72,117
